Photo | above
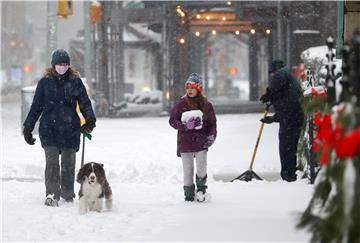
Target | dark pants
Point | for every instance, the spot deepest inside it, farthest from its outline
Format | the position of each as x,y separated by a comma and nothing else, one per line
56,183
288,140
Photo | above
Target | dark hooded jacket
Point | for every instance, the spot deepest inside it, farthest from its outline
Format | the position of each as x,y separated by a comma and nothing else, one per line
55,101
284,92
192,140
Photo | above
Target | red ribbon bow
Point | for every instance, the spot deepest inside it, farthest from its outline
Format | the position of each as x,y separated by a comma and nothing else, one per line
345,145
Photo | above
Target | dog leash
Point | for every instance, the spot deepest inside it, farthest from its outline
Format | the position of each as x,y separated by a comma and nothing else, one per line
88,135
83,150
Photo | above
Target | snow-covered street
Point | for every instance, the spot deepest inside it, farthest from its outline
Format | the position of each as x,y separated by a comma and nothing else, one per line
146,178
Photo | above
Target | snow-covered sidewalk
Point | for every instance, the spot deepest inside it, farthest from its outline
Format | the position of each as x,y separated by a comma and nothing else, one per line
256,211
146,178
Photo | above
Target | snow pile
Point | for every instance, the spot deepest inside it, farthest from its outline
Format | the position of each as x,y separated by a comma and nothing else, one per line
315,91
145,97
193,114
319,52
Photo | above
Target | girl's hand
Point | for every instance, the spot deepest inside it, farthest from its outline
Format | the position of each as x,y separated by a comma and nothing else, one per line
190,124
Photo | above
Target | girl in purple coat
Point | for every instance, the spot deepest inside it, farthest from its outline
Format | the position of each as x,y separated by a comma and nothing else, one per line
194,118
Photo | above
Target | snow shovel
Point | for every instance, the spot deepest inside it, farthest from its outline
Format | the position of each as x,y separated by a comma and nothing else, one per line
249,174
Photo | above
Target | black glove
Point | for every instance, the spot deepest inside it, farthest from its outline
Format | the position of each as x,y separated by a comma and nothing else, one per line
28,136
87,127
268,119
265,98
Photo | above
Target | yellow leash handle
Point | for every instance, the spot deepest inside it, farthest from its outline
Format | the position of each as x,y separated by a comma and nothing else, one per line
82,119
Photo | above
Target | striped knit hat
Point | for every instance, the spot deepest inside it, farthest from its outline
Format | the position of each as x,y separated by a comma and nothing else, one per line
194,81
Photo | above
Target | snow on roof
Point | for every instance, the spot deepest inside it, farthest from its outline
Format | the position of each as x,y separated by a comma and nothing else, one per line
135,33
306,31
315,52
29,89
223,9
95,2
140,32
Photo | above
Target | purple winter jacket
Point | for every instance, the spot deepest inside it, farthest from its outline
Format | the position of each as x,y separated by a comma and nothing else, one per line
192,140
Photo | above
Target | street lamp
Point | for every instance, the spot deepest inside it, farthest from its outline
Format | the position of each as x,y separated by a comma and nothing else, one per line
237,32
12,43
180,11
182,41
197,33
213,32
252,31
268,31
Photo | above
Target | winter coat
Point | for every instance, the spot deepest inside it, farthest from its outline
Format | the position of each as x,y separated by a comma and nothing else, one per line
192,140
55,100
284,92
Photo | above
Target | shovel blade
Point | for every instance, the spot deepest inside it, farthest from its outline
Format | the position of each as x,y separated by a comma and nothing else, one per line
248,176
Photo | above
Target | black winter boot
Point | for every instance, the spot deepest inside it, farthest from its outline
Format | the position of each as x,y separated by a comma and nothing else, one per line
189,192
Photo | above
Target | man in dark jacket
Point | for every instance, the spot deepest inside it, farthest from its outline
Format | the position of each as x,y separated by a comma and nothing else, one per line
284,92
55,100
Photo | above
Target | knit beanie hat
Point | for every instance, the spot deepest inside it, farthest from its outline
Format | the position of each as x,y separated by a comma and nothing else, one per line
60,56
194,81
276,65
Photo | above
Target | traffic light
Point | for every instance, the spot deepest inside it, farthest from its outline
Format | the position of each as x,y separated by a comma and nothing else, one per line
232,71
65,8
26,68
95,13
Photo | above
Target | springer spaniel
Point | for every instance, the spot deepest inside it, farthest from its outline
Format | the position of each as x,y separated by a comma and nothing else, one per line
94,187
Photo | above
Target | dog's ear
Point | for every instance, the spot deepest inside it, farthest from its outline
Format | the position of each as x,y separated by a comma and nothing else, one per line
80,175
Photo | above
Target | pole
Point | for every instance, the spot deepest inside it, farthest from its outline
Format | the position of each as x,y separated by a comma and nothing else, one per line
330,76
88,50
51,26
254,71
206,64
120,88
339,28
279,31
165,60
311,150
288,37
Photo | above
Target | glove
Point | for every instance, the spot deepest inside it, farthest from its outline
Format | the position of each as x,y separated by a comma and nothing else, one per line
197,122
190,124
28,136
265,98
210,140
268,119
87,127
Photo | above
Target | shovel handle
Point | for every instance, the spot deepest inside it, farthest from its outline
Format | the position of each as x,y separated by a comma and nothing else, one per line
258,139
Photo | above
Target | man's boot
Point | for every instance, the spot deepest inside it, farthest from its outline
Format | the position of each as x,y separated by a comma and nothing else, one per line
201,188
189,192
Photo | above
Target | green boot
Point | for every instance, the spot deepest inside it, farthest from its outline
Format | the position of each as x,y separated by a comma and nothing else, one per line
201,188
189,192
201,184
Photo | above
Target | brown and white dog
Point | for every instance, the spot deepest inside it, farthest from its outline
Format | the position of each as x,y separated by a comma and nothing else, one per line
94,187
